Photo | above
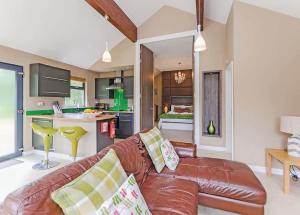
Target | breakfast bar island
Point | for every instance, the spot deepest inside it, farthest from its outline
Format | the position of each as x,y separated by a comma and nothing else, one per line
100,130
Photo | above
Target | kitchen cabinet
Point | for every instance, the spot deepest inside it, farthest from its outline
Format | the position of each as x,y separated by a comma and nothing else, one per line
48,81
100,86
102,83
37,140
128,83
124,125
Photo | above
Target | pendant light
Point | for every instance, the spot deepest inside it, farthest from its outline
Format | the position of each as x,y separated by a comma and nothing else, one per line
179,76
106,57
200,44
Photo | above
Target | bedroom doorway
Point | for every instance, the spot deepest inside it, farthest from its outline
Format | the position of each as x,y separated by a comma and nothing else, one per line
172,87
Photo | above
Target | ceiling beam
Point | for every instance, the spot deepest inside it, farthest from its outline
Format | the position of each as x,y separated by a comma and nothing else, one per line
116,17
200,13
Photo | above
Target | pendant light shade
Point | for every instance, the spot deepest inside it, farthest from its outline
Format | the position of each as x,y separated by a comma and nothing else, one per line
106,57
200,44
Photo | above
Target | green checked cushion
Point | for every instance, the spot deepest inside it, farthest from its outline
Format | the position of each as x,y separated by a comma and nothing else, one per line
85,194
127,200
152,140
169,154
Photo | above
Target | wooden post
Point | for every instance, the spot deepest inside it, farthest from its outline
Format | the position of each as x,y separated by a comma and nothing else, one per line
286,178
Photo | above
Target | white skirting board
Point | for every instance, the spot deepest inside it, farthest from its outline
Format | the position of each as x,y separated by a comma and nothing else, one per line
51,155
262,169
275,171
254,168
177,126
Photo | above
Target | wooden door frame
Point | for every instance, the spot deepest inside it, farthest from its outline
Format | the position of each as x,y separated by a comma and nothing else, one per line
197,81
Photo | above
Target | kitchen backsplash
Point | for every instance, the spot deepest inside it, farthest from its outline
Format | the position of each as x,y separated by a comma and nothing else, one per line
111,102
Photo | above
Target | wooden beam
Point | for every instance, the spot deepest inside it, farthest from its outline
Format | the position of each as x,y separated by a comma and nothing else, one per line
116,17
200,13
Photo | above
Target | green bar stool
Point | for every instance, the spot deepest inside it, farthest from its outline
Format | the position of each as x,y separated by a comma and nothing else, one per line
73,134
46,133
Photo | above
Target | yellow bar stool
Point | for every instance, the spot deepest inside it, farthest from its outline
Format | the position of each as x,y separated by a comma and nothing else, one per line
46,133
73,134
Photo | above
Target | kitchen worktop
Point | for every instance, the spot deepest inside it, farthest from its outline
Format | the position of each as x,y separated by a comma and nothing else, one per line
74,117
116,111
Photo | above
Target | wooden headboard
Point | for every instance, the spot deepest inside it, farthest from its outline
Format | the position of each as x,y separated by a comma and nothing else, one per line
174,93
182,100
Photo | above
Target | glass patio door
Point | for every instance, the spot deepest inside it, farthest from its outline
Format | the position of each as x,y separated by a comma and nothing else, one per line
11,111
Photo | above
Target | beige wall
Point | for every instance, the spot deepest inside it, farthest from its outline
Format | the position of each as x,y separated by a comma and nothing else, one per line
214,58
229,37
122,54
266,79
167,20
170,20
24,59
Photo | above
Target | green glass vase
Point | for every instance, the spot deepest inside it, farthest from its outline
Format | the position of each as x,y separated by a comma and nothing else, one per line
211,130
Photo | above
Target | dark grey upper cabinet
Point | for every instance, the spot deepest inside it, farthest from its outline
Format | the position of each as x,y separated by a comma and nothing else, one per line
128,86
102,83
100,87
48,81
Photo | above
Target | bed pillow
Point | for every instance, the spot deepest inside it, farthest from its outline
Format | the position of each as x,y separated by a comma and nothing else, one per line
169,154
127,200
152,140
186,107
183,110
85,194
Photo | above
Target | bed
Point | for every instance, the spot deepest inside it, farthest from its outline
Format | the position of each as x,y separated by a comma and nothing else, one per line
180,117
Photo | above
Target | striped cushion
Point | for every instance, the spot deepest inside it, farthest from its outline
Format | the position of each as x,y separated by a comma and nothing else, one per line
127,200
85,194
152,140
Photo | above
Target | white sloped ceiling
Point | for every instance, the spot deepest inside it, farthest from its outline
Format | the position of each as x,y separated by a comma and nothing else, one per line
71,31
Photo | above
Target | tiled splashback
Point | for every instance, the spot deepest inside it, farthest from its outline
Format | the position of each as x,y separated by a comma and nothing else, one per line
111,102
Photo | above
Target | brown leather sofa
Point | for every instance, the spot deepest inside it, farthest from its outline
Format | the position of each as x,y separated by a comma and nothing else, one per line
216,183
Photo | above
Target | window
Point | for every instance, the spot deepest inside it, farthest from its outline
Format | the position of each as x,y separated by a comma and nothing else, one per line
77,95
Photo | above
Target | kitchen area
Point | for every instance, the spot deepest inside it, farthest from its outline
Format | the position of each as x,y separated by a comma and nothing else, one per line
114,92
108,120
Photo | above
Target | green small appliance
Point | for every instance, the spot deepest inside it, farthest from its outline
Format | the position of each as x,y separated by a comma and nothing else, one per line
120,103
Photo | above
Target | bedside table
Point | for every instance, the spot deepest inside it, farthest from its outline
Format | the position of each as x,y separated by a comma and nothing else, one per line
286,160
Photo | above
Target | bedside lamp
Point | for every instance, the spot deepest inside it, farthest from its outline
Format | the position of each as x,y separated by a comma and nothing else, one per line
291,125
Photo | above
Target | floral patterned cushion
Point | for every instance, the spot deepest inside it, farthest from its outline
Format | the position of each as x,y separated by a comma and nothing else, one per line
127,200
169,154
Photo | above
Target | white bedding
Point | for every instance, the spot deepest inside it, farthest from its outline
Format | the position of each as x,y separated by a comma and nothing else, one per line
172,112
176,124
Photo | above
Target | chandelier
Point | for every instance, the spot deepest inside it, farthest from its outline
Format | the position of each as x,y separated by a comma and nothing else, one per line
179,76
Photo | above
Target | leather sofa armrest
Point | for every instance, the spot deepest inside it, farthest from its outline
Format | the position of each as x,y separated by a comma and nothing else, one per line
185,149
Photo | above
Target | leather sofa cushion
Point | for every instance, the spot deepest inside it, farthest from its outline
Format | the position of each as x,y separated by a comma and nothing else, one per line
219,177
131,159
170,196
34,198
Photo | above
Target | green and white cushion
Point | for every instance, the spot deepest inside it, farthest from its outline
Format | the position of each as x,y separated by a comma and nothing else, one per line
169,154
127,200
152,140
85,194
